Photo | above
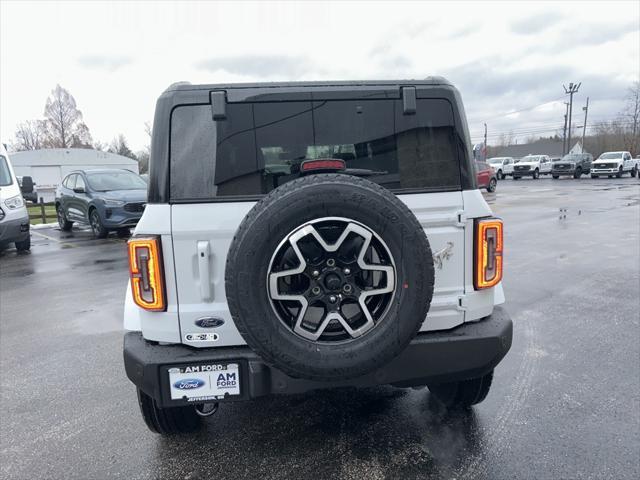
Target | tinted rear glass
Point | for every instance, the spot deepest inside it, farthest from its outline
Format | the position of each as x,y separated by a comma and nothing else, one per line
260,146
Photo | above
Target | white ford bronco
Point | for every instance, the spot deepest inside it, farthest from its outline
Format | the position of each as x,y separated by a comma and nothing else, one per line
301,236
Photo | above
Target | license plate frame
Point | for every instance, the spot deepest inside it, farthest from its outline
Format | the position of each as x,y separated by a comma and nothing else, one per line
203,382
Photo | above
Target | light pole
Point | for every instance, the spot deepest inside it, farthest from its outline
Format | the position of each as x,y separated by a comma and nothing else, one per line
573,88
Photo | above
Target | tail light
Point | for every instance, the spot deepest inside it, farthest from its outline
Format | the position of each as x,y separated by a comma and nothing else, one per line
147,277
320,164
488,253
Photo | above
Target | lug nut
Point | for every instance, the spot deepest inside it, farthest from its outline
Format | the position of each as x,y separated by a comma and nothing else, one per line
315,273
347,271
331,262
332,299
315,290
347,288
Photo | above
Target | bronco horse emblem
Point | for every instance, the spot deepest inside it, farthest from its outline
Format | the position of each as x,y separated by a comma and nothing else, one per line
444,254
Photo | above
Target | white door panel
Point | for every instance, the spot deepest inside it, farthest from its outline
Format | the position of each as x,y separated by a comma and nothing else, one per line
440,215
193,226
208,229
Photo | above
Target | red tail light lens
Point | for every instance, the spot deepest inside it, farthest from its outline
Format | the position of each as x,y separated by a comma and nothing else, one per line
147,277
488,253
323,164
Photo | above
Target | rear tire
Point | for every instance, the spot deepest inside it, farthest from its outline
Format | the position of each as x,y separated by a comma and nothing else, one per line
634,171
314,201
167,421
24,245
65,225
577,173
462,394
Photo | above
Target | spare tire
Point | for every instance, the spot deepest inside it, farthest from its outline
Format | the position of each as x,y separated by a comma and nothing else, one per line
329,277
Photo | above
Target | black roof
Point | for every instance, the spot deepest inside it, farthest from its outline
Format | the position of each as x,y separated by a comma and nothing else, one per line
429,81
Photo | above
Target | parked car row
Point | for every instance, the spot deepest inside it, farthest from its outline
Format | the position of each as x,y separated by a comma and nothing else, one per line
573,164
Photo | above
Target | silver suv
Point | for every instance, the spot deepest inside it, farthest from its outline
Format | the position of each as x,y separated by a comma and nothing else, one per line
301,236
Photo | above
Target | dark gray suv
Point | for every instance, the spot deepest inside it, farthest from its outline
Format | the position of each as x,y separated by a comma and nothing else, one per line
107,199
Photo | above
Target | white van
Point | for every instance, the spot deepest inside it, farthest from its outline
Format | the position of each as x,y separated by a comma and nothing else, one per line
14,219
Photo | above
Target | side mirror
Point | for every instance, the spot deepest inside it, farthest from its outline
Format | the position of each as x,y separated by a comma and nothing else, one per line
27,185
79,190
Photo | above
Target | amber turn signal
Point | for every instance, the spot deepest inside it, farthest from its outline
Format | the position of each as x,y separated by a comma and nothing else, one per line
488,253
147,277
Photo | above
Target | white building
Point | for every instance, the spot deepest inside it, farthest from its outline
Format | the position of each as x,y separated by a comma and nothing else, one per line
48,167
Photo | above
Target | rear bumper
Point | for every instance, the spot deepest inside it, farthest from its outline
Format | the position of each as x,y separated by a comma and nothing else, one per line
468,351
14,230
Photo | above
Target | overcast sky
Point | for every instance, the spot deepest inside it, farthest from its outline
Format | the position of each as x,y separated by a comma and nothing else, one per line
117,57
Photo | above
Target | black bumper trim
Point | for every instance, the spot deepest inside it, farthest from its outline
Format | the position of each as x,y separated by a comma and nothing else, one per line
467,351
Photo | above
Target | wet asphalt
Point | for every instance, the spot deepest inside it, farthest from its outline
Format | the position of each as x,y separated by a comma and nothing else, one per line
565,402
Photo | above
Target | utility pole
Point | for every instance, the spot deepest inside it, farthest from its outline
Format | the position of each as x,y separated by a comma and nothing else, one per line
485,143
573,88
584,127
564,130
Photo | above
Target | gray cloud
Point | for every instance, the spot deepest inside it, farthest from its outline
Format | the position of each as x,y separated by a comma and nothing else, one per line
490,89
492,77
104,62
535,24
258,65
596,33
391,63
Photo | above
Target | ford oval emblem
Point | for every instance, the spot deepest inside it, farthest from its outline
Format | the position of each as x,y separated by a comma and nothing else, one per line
209,322
189,384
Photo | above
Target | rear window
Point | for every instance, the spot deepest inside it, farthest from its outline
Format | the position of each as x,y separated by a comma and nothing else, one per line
260,146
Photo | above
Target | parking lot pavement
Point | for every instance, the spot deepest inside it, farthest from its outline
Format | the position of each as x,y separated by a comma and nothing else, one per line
565,402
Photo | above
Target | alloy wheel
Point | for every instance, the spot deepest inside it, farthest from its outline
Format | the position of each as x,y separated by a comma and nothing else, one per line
331,280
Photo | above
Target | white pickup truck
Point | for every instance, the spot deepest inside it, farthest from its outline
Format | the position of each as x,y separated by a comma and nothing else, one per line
614,163
502,165
532,166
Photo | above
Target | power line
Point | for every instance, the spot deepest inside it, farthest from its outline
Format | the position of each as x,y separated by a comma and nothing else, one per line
543,130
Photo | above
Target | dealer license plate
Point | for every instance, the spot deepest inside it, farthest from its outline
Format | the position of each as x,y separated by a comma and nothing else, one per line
204,381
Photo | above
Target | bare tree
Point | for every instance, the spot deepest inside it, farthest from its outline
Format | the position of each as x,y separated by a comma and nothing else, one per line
143,161
30,135
65,127
120,146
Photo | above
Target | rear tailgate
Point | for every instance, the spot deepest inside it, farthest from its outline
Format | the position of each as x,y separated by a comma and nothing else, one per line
202,234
